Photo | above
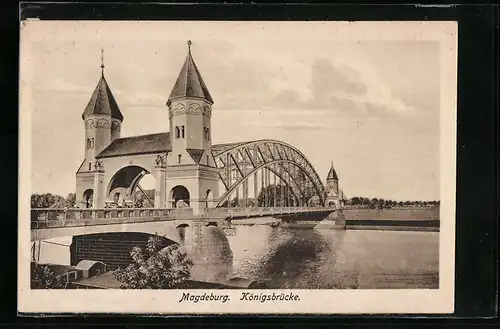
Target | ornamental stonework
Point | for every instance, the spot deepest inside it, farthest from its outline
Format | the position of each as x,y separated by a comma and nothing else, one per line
192,108
160,161
89,123
102,123
115,126
178,109
207,111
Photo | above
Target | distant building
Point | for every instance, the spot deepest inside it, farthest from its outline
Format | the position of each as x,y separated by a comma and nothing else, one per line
334,195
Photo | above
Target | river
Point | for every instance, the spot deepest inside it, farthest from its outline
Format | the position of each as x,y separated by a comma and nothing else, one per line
299,258
336,259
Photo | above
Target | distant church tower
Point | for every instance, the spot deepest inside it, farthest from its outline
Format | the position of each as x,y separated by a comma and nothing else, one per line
103,119
333,193
192,176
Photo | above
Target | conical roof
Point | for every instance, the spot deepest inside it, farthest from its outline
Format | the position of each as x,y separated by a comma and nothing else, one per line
332,174
190,83
103,101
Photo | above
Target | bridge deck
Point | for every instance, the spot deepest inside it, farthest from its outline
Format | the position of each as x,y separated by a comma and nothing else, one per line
65,218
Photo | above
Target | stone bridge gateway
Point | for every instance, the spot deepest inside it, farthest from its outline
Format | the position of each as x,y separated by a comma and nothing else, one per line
188,169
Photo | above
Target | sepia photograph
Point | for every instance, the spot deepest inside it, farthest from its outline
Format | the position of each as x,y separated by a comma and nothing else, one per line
239,167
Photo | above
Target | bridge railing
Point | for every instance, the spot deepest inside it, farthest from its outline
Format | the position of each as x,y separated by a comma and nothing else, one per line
262,211
49,217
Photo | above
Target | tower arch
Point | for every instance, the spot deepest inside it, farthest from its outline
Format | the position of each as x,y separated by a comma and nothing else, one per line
179,197
124,188
88,198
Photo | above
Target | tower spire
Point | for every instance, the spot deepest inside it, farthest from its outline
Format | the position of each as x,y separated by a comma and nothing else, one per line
332,174
102,62
189,82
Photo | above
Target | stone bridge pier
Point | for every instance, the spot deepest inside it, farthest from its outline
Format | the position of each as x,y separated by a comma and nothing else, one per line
203,240
207,246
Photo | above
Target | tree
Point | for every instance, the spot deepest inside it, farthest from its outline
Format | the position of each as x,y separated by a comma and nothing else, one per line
42,277
46,200
266,196
236,202
70,200
155,267
356,201
141,201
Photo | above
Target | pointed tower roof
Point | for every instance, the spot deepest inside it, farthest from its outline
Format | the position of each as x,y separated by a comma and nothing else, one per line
102,100
332,174
190,83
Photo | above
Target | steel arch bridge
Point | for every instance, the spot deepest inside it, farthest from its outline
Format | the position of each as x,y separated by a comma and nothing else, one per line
268,163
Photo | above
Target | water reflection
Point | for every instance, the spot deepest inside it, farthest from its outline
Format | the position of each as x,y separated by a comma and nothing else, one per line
307,258
335,259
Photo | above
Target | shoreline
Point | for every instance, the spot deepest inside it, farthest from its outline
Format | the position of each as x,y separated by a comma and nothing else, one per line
416,220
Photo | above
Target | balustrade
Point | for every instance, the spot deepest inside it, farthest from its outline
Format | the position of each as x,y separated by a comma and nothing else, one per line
52,218
48,218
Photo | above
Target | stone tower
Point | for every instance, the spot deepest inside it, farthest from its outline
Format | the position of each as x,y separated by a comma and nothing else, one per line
332,180
333,193
192,177
103,119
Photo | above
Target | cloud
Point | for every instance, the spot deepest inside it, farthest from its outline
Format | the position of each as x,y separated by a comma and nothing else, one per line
289,126
141,98
327,78
343,90
62,86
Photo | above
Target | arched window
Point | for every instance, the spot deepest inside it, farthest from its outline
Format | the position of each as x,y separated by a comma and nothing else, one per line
177,132
179,158
88,143
92,143
207,161
182,131
90,165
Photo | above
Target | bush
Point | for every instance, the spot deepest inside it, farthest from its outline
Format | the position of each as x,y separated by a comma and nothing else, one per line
42,277
155,267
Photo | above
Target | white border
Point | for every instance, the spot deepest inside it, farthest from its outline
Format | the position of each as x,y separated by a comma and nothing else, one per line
311,301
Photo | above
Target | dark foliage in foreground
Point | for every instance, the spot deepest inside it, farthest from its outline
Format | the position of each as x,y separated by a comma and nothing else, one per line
155,267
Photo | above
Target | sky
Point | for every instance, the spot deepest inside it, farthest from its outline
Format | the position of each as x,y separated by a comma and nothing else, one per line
340,93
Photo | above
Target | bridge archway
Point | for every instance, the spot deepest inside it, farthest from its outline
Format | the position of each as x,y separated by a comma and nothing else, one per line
179,196
184,231
209,197
113,249
88,198
132,185
270,166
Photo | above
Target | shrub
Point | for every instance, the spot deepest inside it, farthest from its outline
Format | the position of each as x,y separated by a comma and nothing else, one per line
42,277
155,267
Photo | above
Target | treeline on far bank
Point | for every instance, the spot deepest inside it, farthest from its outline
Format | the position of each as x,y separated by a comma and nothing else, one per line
379,203
48,200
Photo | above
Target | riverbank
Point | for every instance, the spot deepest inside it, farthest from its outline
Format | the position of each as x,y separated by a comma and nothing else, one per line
396,214
399,219
422,220
425,220
394,225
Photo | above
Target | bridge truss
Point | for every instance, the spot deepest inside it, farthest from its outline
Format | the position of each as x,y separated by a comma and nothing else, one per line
267,173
